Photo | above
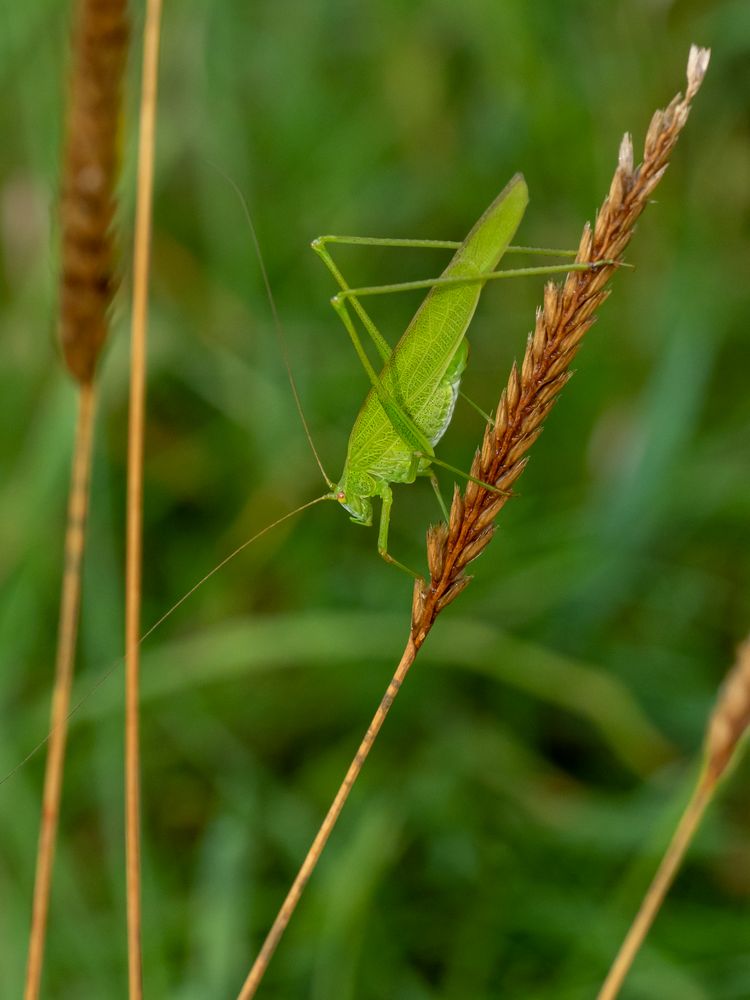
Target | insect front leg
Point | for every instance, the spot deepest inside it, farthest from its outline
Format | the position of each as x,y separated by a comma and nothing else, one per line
386,495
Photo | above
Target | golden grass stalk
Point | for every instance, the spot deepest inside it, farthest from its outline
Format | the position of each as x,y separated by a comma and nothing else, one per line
134,512
727,725
87,284
563,319
70,602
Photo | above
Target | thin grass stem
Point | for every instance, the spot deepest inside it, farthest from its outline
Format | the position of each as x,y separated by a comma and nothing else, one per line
726,728
312,857
70,604
657,891
134,516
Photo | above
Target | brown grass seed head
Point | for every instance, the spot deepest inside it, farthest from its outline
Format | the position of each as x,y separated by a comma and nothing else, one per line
567,313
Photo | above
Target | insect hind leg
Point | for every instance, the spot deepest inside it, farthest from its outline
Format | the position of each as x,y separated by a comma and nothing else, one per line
375,335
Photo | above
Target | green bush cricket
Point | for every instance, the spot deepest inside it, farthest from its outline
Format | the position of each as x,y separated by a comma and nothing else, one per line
411,402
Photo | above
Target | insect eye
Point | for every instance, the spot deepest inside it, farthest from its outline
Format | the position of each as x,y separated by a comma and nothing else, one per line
341,495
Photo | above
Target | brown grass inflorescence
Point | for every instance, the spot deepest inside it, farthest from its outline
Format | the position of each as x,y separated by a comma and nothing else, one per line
731,716
567,313
87,204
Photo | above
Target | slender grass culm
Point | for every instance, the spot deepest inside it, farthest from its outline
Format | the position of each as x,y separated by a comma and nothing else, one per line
134,507
568,311
726,727
87,285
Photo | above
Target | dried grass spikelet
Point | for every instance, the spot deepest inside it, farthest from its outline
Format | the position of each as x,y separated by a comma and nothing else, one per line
87,202
567,313
731,716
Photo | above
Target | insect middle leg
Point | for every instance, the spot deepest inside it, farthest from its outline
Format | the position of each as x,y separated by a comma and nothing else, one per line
436,488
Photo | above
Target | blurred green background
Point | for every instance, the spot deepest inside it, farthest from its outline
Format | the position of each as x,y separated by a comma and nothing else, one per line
529,775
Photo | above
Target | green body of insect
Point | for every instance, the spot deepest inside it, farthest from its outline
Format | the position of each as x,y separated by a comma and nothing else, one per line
411,402
423,373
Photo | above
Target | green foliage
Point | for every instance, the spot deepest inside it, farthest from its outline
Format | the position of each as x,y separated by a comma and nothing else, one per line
513,811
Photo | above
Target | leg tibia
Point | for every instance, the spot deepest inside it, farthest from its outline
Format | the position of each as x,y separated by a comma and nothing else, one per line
385,519
520,272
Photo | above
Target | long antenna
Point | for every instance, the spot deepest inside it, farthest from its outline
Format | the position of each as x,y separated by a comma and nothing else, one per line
226,559
278,327
160,621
